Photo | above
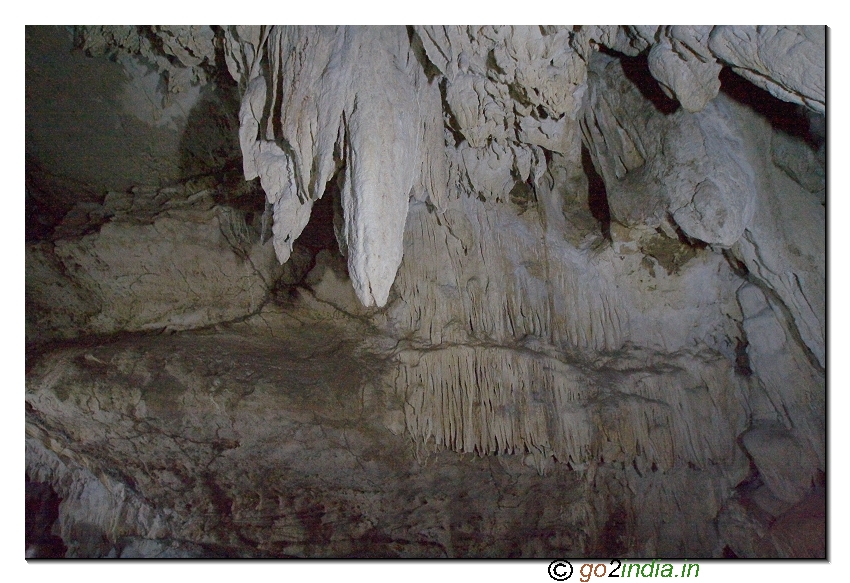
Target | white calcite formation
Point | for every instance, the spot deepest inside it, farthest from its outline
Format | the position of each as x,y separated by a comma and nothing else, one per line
587,255
364,103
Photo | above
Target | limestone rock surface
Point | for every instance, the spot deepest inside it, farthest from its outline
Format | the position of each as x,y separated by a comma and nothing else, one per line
157,263
428,291
787,61
235,443
692,167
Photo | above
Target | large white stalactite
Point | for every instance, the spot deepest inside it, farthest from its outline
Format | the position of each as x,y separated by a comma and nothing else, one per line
355,97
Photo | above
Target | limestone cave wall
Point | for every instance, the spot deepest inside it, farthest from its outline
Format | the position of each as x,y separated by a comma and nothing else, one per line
426,291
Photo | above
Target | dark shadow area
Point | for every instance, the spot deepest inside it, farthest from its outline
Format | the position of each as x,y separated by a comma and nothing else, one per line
210,142
42,512
44,206
319,232
613,540
451,123
739,268
753,480
209,146
431,70
597,197
742,359
49,198
245,196
523,194
316,244
785,116
636,70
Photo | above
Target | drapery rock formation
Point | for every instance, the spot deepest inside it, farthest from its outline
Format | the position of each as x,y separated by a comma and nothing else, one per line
362,97
426,291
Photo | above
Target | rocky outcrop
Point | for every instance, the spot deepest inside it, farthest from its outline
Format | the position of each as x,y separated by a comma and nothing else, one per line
787,61
540,287
164,259
691,167
702,173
